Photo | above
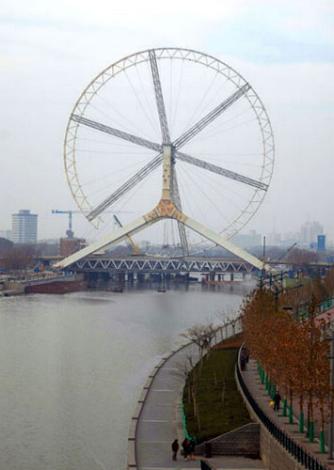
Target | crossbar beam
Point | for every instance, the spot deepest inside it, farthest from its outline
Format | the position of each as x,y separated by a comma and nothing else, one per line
221,171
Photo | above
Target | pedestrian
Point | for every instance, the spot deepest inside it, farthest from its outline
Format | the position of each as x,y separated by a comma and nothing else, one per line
175,448
277,401
246,356
185,447
243,359
191,449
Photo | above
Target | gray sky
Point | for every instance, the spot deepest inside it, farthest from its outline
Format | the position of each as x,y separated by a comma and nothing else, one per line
49,51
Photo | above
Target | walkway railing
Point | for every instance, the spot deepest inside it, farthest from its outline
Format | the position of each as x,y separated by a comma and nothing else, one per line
302,457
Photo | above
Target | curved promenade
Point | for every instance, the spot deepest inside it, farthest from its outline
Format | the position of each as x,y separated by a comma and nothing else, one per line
157,419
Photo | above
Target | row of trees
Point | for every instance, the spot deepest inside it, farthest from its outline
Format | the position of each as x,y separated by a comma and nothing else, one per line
18,257
293,349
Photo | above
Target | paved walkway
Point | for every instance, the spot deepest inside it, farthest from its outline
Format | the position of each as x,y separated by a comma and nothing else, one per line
257,390
160,420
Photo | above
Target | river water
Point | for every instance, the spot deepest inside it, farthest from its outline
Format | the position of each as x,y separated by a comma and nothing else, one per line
72,367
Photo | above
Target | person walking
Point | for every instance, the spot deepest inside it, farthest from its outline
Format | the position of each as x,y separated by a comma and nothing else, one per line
175,449
185,447
277,401
191,449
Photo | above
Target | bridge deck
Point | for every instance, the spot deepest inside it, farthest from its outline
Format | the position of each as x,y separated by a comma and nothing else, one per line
150,264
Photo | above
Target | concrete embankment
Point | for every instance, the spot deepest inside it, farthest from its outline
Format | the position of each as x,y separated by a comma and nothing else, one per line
47,284
12,288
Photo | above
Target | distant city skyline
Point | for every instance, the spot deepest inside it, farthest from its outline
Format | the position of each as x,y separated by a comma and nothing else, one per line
305,235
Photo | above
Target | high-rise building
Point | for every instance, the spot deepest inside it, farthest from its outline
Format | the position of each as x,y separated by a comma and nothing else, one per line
309,232
321,243
24,227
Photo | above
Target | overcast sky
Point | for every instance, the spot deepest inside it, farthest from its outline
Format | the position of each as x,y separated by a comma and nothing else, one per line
49,51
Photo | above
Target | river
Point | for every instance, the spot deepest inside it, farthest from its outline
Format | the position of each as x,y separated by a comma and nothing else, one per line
72,367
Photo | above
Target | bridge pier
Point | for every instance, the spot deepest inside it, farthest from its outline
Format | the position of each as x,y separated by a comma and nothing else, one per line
140,277
120,278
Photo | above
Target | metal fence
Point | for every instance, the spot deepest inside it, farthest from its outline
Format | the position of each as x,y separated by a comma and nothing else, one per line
303,457
303,313
326,305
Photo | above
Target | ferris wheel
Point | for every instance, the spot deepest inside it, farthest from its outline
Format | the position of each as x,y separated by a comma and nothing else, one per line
183,110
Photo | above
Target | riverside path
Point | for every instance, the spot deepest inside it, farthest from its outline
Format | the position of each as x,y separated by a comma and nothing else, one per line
159,421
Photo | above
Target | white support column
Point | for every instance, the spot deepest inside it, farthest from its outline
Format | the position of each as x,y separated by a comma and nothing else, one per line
166,173
227,244
115,236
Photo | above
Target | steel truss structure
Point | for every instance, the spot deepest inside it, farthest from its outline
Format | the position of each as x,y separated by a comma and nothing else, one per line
161,265
168,153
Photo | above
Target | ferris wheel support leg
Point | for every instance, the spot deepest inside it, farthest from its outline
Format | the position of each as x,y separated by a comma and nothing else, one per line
223,242
115,236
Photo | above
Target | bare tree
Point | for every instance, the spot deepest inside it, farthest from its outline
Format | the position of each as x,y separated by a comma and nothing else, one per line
302,257
19,257
202,336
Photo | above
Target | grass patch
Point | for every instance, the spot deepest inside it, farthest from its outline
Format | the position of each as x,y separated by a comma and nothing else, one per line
211,393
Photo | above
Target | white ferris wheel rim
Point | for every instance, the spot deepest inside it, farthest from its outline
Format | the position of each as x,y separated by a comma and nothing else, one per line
84,100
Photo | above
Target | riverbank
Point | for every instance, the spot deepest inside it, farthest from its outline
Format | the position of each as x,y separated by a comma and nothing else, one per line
42,283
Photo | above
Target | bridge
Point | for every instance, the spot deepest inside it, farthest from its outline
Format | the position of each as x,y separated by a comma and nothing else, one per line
170,265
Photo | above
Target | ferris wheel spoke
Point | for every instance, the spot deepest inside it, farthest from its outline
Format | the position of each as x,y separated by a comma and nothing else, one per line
210,117
159,97
177,201
129,184
116,132
221,171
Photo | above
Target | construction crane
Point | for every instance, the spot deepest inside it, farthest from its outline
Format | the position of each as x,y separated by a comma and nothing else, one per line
287,251
131,244
70,212
69,231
